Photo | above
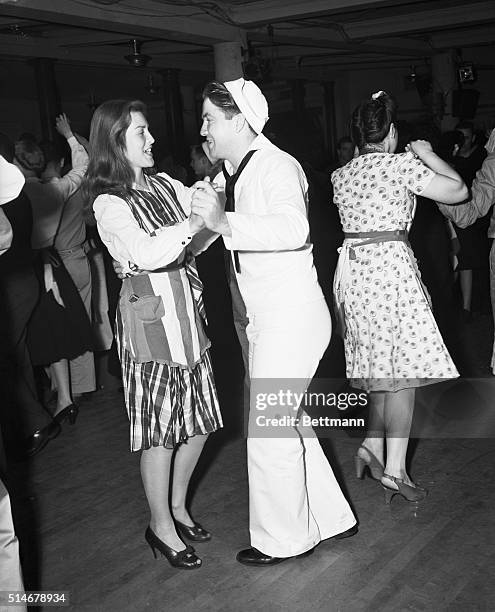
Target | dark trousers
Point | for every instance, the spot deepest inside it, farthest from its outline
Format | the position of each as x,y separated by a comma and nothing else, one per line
24,411
240,323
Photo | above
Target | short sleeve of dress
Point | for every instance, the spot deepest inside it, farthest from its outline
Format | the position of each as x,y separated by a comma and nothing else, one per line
414,174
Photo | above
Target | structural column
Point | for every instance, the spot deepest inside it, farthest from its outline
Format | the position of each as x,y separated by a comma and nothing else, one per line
444,79
228,61
329,116
48,96
174,121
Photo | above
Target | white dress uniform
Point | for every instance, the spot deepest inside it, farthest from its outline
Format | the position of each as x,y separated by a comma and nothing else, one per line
294,498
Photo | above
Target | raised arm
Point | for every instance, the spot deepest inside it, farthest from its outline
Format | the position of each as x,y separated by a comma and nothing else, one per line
446,186
69,183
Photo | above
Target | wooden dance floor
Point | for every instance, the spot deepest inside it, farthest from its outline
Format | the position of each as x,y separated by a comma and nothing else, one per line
81,515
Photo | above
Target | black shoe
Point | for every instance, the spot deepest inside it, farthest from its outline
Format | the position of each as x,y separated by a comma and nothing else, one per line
40,438
70,413
182,559
348,533
253,556
196,533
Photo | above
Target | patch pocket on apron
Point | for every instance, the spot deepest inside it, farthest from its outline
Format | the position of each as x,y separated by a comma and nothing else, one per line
147,308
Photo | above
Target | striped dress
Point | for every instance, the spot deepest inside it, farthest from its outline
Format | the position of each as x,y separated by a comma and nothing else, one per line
168,380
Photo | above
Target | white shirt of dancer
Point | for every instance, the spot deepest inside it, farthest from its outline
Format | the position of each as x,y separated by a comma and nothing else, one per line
48,198
270,231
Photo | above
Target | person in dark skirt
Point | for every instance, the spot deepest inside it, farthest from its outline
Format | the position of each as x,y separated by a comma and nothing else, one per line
430,238
24,416
59,328
474,246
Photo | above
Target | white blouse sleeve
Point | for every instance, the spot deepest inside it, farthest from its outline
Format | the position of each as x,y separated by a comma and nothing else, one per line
71,182
129,244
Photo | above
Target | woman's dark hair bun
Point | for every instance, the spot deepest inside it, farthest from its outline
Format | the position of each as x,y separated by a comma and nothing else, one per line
370,121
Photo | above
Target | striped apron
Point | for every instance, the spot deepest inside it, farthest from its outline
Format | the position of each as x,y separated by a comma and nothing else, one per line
166,368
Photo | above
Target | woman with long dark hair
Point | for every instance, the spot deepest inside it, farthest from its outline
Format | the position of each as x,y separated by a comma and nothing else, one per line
392,342
146,223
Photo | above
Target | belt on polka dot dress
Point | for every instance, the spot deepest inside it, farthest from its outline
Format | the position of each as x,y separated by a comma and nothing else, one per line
346,254
374,237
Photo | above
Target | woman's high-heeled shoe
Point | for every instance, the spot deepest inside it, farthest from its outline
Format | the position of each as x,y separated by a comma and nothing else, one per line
182,559
371,462
411,493
69,413
196,533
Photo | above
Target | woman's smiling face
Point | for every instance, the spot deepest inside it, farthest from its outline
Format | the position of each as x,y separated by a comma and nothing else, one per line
138,141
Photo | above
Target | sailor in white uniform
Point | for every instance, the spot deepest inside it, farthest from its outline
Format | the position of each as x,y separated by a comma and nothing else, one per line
294,499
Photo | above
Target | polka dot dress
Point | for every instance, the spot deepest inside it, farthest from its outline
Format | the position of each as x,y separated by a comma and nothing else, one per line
392,341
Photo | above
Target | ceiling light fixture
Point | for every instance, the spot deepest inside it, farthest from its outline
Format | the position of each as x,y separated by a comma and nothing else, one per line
136,58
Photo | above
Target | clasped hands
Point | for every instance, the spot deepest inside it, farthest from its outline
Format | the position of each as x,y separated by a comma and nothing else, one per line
419,148
207,209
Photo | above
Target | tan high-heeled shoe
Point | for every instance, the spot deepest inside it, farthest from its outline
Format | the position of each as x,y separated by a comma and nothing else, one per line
370,461
409,492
